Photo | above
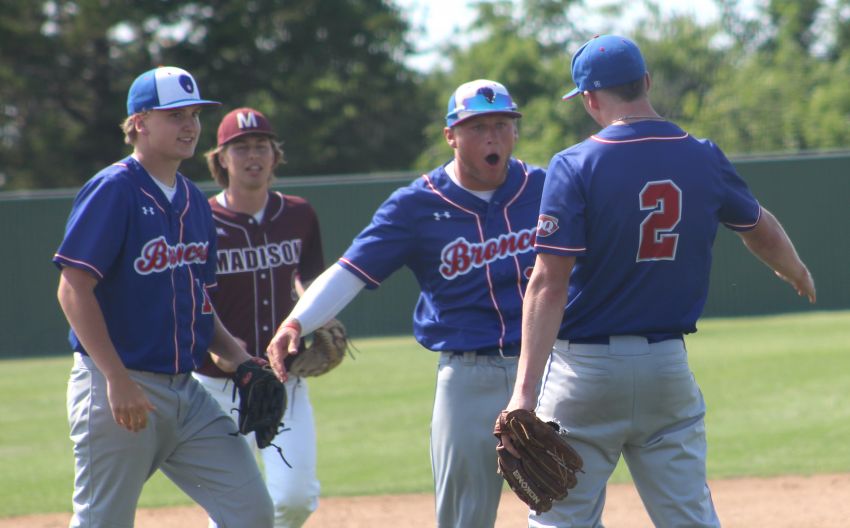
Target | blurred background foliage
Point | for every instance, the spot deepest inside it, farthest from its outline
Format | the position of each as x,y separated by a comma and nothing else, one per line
333,76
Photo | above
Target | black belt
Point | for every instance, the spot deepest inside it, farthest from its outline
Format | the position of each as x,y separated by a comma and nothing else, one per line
506,351
604,340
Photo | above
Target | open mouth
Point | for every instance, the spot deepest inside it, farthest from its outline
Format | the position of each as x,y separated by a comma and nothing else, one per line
492,159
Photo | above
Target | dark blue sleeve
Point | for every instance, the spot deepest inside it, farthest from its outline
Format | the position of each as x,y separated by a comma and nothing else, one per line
386,243
739,211
561,224
97,226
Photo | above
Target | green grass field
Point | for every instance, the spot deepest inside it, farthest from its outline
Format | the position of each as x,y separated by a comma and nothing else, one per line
776,388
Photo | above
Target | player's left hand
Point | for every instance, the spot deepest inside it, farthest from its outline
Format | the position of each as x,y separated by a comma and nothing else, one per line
505,436
547,467
284,343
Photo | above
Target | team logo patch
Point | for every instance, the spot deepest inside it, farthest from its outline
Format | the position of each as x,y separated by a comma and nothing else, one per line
186,83
488,93
546,225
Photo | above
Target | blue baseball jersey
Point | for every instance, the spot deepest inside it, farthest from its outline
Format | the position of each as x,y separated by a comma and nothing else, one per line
153,259
472,258
638,206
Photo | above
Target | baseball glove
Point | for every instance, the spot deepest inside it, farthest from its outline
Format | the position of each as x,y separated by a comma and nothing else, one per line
262,400
327,350
548,464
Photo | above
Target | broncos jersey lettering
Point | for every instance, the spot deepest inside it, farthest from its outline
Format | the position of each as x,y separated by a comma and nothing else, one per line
158,255
461,255
151,259
471,257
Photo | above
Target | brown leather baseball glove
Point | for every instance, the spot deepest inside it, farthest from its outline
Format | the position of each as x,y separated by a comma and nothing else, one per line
325,352
548,464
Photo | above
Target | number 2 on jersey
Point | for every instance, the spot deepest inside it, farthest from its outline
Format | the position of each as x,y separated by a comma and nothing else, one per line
657,240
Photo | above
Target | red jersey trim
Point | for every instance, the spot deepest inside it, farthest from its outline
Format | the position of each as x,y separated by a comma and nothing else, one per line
78,264
510,227
745,227
490,287
561,248
638,140
359,270
154,200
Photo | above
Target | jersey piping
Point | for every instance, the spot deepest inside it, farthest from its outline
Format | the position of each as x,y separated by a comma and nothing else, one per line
360,270
638,140
510,227
492,292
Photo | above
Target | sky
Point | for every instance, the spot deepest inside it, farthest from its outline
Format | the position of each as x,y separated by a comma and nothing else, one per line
440,19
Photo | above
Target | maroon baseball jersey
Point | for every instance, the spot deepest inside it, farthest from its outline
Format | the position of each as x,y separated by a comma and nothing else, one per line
257,265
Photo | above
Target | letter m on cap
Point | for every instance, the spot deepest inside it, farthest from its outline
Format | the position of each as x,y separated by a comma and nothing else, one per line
246,120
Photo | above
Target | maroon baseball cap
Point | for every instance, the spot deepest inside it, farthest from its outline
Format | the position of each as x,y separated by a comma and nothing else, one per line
243,121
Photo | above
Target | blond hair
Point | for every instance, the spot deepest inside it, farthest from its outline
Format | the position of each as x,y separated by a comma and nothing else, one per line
219,173
128,126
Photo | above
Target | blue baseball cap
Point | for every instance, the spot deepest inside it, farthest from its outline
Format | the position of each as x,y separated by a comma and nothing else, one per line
163,88
605,61
477,98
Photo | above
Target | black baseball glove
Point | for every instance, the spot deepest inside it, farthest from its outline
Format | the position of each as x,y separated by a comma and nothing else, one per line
262,400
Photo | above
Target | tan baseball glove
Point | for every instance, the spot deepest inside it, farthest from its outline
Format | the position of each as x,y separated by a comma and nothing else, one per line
548,464
326,351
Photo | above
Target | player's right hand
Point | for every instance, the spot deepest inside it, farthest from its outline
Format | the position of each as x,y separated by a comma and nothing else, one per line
803,284
284,343
129,404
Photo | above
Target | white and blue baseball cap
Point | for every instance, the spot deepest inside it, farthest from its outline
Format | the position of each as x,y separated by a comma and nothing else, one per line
163,88
477,98
605,61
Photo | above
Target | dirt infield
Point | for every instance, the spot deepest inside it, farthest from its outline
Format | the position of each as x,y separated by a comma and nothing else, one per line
821,501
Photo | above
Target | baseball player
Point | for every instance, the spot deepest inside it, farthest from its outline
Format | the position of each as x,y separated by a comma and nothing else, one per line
136,261
466,231
624,238
267,242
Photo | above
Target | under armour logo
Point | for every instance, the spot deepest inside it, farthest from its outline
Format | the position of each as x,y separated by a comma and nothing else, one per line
444,214
147,210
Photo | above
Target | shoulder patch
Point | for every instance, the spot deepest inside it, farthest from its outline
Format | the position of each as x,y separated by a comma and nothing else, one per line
546,225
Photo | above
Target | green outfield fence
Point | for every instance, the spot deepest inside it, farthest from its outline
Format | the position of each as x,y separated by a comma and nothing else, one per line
809,193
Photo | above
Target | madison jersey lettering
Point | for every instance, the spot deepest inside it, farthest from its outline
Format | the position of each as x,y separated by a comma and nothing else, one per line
258,264
237,260
472,258
151,258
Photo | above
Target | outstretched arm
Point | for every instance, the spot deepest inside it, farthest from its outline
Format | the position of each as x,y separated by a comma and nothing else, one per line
769,242
321,301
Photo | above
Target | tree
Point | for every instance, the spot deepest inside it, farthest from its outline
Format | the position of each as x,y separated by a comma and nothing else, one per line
784,94
329,73
524,51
